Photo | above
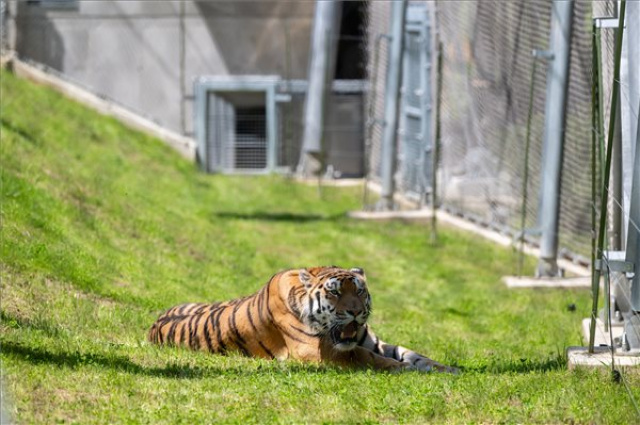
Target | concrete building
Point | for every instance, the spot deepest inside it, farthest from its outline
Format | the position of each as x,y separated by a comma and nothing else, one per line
146,55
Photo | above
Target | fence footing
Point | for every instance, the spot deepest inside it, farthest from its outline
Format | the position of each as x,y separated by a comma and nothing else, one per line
551,282
421,214
578,357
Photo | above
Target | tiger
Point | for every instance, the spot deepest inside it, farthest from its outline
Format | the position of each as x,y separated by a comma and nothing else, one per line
316,314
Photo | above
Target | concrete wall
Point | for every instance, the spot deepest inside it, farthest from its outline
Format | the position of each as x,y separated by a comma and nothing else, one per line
344,135
146,54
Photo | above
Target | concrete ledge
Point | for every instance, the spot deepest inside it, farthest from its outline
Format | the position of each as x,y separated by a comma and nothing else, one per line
390,215
330,182
183,145
556,282
580,357
460,223
507,241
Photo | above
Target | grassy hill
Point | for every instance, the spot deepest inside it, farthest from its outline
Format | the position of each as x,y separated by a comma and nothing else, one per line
103,228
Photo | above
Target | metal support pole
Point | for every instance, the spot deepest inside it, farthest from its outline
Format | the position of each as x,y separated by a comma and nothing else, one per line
630,92
321,64
392,103
633,235
10,18
599,248
616,231
183,63
3,26
557,84
632,321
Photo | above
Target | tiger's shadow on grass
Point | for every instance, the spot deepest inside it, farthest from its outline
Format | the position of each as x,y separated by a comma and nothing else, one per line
36,355
77,359
276,217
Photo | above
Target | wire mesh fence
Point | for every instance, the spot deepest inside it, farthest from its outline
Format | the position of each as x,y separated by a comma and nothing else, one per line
491,87
378,23
575,213
487,79
495,61
493,103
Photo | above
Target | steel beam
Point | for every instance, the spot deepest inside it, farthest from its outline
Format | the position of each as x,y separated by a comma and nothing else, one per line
633,235
321,64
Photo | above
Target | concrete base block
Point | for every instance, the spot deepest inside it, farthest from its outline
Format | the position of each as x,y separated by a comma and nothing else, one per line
601,357
551,282
602,338
330,182
421,214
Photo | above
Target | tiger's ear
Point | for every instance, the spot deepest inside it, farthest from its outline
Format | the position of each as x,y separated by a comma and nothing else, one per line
358,270
305,278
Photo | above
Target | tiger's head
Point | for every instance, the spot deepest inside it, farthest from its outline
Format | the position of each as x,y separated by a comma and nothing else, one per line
336,304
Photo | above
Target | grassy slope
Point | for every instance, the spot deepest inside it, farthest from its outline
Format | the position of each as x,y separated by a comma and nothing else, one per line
102,228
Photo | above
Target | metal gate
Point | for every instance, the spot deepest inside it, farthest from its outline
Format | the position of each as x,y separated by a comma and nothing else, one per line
416,142
237,123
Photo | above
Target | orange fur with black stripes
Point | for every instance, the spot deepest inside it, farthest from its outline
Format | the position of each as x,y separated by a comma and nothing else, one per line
317,314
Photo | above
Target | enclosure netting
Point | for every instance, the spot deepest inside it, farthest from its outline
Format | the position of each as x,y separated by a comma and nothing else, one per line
488,74
378,23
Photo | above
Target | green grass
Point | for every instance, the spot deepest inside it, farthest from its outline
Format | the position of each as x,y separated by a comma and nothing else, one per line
103,228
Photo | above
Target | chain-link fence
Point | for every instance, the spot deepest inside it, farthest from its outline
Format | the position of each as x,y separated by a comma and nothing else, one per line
492,115
486,84
502,76
378,26
494,92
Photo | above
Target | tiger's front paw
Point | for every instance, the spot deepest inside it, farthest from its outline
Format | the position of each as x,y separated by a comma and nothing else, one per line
431,366
450,369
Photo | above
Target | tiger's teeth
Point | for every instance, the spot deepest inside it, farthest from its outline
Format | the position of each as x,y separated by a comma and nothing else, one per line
349,331
347,335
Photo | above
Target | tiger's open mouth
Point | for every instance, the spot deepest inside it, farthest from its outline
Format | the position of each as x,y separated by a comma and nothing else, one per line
345,334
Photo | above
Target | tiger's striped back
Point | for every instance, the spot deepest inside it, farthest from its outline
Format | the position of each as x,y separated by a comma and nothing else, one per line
236,325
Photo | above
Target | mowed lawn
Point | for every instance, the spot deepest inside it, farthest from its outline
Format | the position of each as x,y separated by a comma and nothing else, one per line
103,228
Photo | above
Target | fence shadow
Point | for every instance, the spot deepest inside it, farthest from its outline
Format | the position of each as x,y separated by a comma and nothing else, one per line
519,366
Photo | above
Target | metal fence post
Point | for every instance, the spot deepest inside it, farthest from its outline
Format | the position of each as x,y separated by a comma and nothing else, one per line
320,65
3,25
632,321
631,95
392,103
272,130
633,236
616,234
555,108
200,117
